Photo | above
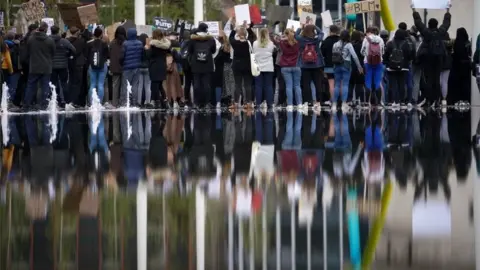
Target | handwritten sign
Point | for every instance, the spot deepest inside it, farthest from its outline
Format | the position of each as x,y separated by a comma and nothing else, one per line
308,18
50,22
34,11
304,6
88,14
326,18
362,7
294,25
187,25
144,29
213,28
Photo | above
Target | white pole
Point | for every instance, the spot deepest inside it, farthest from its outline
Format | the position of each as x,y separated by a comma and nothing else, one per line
278,238
475,98
200,227
294,239
292,5
340,9
230,236
198,11
324,5
325,261
340,224
252,243
240,244
476,215
142,226
140,12
264,233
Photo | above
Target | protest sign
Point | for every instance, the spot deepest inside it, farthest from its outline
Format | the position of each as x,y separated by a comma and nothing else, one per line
2,15
308,18
431,4
362,7
34,11
214,28
163,24
326,18
187,25
278,13
255,15
88,14
242,14
144,29
291,24
304,6
50,22
69,14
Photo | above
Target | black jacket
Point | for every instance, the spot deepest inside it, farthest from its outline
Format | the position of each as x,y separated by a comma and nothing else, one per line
428,33
97,43
205,43
40,52
80,49
157,62
241,54
63,50
400,42
326,48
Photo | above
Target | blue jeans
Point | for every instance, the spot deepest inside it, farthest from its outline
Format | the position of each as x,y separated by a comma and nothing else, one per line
264,88
31,91
97,139
218,94
373,74
342,77
12,85
264,127
342,134
292,77
293,136
97,80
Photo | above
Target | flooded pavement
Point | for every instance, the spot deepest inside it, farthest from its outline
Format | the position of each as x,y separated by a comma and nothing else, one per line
283,190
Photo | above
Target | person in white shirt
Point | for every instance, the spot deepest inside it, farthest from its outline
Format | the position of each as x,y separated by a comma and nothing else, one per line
263,49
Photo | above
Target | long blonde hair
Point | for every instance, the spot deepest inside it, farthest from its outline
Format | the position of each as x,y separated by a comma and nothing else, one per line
264,37
290,34
225,42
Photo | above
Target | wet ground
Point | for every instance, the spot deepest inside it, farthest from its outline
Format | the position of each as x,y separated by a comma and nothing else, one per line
283,190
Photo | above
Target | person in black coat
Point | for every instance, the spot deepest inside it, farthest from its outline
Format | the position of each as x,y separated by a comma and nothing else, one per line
76,67
40,52
357,79
158,48
398,66
459,81
201,48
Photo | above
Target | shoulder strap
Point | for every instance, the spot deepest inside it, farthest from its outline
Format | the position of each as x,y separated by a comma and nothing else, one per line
250,46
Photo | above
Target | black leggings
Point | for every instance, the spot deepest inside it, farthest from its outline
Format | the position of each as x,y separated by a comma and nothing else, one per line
312,75
158,93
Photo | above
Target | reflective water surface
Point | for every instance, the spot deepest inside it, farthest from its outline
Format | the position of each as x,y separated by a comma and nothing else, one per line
283,190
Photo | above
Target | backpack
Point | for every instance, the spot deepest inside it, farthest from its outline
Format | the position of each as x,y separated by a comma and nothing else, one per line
396,57
337,55
309,54
97,60
202,52
436,45
374,53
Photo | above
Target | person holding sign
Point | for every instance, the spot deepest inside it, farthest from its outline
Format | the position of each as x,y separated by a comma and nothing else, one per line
290,71
311,61
263,49
432,52
98,54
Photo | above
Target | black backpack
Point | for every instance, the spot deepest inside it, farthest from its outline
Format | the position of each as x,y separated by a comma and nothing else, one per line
202,52
337,54
436,45
396,57
97,59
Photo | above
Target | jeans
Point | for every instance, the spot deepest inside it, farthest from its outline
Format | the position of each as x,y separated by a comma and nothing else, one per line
409,83
264,88
97,80
97,138
12,85
133,77
59,78
293,135
373,76
144,86
31,91
282,96
218,94
342,77
202,90
444,83
396,81
243,80
264,127
342,134
292,77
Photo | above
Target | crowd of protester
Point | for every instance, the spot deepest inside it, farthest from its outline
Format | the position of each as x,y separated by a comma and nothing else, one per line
299,69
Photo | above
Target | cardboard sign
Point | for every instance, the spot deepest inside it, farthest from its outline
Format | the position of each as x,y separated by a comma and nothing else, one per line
291,24
326,18
304,6
88,14
34,11
431,4
50,22
214,28
242,14
163,24
362,7
2,15
304,3
308,18
144,29
69,14
278,13
255,15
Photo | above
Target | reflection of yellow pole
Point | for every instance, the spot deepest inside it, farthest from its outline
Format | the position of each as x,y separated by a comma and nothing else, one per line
376,231
386,16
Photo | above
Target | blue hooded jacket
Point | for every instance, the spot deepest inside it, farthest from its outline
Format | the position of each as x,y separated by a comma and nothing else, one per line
132,51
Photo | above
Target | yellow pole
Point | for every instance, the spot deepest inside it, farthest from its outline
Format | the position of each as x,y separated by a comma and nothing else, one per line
386,16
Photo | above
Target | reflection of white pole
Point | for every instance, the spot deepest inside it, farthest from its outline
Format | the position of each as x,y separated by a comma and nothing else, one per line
340,224
252,243
200,227
476,217
264,232
142,226
309,247
324,5
340,9
324,212
278,238
292,228
292,5
197,11
240,245
140,12
230,236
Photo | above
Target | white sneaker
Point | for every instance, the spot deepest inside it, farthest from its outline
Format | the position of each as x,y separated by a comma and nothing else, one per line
421,103
290,108
69,107
108,106
345,107
219,105
263,105
328,103
444,103
175,105
334,107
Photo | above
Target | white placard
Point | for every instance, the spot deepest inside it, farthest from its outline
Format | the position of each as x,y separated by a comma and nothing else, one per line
431,219
292,24
50,22
431,4
242,13
326,18
304,3
144,29
312,17
213,28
